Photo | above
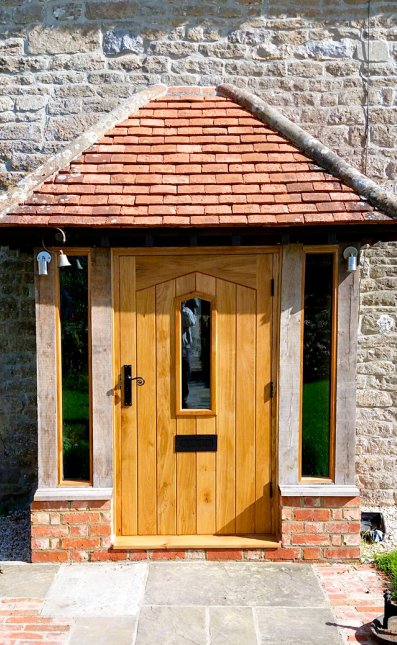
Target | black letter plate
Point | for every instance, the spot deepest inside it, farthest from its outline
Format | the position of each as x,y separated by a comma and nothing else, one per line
196,443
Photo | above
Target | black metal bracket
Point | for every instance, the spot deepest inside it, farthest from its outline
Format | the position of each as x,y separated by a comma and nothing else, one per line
127,384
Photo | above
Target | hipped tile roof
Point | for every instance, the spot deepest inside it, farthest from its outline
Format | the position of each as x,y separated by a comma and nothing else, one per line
191,161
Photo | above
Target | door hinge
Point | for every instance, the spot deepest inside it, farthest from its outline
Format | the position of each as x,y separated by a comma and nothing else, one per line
272,287
271,490
271,389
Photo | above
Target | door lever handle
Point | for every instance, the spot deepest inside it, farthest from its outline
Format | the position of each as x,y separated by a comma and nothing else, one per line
127,384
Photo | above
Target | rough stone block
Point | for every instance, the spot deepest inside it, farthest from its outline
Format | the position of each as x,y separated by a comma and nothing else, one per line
47,40
20,131
28,14
12,47
329,49
30,103
120,41
376,51
268,52
374,399
67,12
112,10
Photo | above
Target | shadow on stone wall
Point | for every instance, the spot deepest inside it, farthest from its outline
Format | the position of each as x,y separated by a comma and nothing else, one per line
18,409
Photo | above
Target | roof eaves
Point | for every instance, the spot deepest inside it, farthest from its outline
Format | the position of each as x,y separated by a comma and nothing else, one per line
35,179
323,156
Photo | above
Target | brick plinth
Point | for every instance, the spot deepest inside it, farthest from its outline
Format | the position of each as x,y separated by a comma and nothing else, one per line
312,528
321,528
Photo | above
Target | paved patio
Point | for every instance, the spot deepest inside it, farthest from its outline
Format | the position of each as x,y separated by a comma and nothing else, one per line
200,603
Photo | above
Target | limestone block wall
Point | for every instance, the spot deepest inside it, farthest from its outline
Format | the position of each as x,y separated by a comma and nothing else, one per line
18,418
330,65
377,376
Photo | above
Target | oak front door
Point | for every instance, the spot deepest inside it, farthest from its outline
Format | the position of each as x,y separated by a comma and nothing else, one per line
193,442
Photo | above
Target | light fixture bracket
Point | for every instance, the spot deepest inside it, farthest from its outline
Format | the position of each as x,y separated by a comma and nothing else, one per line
350,254
43,259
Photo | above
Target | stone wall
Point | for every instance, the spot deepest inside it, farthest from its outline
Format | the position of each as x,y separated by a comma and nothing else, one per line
63,63
377,376
18,417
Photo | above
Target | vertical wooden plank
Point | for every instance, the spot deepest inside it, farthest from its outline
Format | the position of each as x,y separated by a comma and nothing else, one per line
166,422
274,411
290,361
146,406
263,511
245,409
117,393
128,414
186,480
47,386
102,368
346,356
206,490
225,467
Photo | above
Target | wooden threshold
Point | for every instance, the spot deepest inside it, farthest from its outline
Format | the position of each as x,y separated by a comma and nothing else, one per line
255,541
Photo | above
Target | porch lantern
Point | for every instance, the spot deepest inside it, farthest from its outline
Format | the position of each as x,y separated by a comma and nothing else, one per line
43,259
350,254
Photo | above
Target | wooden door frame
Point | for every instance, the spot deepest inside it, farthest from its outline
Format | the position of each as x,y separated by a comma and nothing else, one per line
117,253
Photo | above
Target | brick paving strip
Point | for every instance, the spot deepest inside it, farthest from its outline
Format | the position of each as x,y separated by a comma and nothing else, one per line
355,592
21,623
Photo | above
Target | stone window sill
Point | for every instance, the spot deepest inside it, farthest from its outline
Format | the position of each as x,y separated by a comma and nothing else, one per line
71,493
319,490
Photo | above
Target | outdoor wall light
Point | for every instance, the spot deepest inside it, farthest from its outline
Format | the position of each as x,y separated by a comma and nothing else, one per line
44,256
350,254
43,259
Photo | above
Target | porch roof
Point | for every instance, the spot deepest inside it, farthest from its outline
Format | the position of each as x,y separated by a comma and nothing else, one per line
196,157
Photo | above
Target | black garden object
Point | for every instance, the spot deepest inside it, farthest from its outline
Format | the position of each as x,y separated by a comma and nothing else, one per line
385,627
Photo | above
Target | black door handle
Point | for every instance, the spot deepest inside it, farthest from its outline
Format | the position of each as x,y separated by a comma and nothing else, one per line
127,384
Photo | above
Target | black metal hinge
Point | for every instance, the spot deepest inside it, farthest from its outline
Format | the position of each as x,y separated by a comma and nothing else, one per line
272,287
271,490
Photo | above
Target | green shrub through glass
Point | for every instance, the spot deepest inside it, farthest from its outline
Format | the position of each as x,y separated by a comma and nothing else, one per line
74,318
317,357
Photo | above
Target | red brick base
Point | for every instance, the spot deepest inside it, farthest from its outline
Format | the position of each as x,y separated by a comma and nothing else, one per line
312,528
321,528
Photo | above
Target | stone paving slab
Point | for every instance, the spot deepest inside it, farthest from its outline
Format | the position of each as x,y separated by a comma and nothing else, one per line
172,626
291,626
233,583
25,580
193,603
89,590
232,626
103,631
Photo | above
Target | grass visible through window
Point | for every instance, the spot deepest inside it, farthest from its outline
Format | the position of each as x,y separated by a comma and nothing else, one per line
315,442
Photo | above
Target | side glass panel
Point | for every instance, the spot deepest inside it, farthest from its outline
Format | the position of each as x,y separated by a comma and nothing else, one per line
196,354
317,360
74,318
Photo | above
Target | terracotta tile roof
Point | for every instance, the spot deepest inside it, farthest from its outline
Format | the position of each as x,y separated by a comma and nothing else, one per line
192,161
